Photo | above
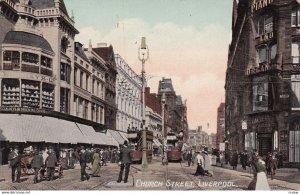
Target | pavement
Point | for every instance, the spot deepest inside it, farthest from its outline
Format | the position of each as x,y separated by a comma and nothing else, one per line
175,176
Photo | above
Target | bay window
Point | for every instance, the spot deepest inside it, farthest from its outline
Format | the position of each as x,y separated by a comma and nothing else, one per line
30,58
262,55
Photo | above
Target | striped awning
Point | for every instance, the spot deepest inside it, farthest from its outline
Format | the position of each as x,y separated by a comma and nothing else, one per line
32,128
96,137
117,136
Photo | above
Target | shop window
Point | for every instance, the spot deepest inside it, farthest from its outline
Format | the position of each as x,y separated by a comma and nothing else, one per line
48,96
260,94
30,58
65,72
294,145
11,60
30,94
295,93
296,51
64,100
295,17
264,24
10,93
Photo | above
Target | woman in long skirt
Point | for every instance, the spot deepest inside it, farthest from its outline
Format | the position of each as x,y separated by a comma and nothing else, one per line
96,164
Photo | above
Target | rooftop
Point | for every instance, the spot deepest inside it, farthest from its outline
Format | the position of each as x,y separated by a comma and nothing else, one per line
28,39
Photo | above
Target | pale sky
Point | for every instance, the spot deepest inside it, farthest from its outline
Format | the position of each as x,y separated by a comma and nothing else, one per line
188,42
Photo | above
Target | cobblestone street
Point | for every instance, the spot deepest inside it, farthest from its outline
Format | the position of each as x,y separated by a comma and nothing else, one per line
175,176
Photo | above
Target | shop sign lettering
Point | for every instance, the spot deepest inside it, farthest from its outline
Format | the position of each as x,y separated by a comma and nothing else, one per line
259,4
21,109
44,78
266,37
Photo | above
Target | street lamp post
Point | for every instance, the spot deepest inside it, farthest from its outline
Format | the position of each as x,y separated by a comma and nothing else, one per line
143,57
163,102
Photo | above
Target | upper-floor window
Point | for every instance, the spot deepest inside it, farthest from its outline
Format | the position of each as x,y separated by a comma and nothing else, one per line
11,60
30,58
65,72
264,24
260,94
296,51
267,54
295,17
81,79
46,62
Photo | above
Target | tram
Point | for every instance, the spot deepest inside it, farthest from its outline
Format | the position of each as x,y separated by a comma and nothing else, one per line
135,139
174,148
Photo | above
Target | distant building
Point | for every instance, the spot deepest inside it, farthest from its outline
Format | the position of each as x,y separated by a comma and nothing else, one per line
198,139
212,141
220,125
177,109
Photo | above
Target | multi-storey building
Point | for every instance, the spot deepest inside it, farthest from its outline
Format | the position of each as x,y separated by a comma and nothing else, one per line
177,110
220,125
128,100
198,139
107,54
212,140
46,79
262,80
154,118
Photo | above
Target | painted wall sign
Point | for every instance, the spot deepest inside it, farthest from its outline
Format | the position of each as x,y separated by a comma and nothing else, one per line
259,4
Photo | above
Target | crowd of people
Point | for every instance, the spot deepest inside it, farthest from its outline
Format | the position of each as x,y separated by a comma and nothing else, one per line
47,161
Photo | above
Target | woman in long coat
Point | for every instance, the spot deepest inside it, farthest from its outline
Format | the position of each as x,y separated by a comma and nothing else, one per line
96,164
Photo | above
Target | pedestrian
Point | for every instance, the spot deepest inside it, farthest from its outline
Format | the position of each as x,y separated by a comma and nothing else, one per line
244,160
50,164
199,160
272,165
234,160
189,157
125,159
207,163
36,164
15,164
280,160
105,157
83,157
259,181
96,164
222,159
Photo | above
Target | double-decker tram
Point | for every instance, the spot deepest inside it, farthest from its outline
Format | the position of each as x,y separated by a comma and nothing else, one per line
174,148
135,139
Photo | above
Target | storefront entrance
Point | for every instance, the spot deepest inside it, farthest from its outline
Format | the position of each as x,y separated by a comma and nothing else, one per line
264,143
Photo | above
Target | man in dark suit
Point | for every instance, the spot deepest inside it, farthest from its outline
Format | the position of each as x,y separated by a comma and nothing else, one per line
36,164
125,160
83,159
51,162
15,163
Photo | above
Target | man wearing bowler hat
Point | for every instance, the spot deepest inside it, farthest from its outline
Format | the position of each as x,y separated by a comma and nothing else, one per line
15,164
125,160
83,159
51,162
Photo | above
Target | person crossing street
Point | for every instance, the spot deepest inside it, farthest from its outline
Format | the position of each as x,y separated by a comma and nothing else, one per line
125,160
